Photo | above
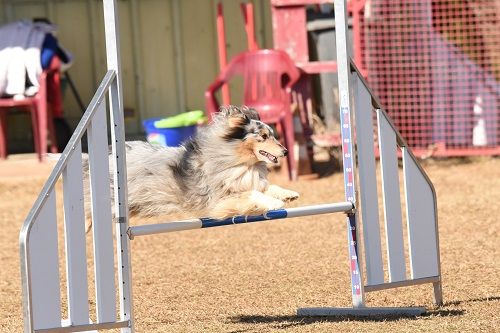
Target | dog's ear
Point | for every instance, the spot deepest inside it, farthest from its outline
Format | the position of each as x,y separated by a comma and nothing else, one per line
250,113
230,111
243,112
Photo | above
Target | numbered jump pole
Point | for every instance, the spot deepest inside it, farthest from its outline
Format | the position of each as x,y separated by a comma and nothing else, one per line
349,163
348,156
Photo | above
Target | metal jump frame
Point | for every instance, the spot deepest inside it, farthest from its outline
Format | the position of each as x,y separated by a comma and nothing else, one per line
41,282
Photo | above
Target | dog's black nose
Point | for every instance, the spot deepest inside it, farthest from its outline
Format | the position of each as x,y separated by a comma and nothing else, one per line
285,152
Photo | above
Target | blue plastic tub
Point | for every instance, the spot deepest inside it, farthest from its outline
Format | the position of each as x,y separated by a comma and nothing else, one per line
169,137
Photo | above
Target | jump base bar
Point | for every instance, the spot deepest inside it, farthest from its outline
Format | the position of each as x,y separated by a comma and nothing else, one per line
157,228
360,312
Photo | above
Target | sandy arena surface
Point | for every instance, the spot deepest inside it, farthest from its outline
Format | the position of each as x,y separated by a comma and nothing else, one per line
251,278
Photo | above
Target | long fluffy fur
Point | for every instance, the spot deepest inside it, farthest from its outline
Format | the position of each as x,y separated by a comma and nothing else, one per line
219,173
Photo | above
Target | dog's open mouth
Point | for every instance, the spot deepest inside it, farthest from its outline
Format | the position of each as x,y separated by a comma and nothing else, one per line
270,157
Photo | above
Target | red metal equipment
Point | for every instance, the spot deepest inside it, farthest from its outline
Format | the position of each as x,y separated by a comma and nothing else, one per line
221,45
435,64
248,17
268,76
290,33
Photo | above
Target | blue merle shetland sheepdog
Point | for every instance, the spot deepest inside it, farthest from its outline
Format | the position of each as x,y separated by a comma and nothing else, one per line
221,172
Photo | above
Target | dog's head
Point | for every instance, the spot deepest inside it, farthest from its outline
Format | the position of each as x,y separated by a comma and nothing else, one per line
255,139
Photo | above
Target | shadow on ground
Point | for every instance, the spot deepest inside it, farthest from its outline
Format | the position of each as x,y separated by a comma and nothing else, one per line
473,300
290,321
304,320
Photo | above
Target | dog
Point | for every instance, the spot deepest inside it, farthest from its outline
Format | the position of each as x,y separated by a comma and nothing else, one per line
220,172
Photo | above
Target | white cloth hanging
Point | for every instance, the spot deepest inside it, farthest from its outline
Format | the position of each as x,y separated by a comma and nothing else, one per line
20,47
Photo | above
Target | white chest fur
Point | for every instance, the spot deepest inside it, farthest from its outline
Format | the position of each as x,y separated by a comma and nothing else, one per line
244,178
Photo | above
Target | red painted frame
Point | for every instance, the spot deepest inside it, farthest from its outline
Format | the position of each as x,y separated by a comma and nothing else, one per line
292,13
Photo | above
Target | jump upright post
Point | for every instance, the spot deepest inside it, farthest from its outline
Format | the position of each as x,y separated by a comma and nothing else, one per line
39,237
421,208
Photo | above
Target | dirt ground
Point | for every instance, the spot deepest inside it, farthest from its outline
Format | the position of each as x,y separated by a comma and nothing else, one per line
251,278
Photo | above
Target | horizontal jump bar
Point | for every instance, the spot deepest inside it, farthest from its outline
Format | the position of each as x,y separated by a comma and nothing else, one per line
158,228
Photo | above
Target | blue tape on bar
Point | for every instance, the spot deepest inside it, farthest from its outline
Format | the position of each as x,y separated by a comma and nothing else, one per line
270,215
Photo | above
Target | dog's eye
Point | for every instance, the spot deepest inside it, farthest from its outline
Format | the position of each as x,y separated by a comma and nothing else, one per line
264,136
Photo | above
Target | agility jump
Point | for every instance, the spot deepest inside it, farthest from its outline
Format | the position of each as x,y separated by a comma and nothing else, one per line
41,279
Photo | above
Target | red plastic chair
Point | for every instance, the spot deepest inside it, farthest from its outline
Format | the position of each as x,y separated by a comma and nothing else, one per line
268,76
41,119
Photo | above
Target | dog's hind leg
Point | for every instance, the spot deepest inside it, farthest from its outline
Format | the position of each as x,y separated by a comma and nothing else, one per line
245,203
282,194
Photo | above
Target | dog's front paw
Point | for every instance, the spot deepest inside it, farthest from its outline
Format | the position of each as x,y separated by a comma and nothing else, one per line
282,194
273,204
264,203
289,195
